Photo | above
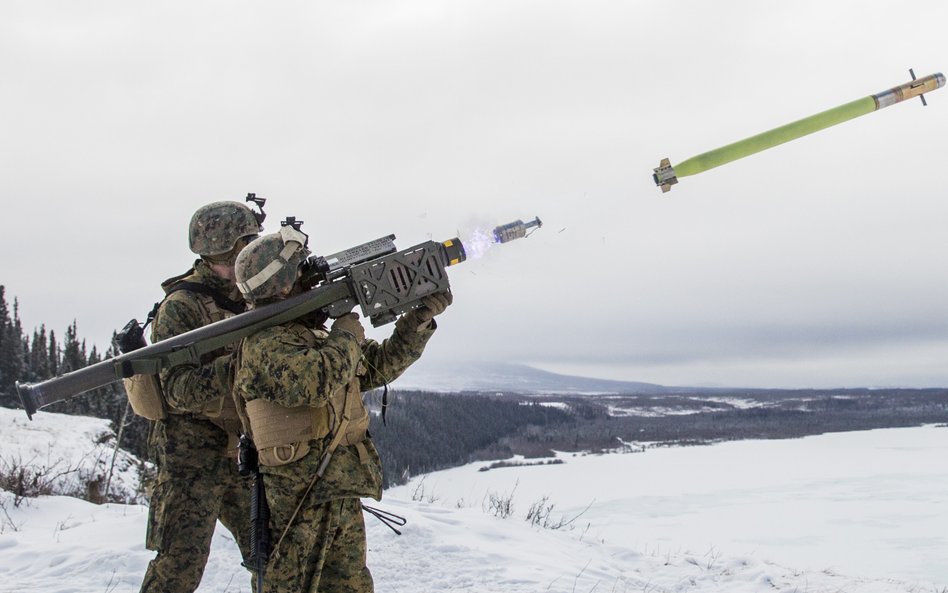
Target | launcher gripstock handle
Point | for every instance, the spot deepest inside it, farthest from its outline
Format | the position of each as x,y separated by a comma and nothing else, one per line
383,288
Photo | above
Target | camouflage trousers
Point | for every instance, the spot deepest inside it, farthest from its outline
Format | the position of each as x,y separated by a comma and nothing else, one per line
324,548
181,519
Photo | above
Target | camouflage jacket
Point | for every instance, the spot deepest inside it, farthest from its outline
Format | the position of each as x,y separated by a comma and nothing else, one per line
297,367
198,398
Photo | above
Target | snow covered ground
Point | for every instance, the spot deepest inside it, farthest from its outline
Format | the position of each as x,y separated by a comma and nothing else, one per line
853,512
867,503
69,452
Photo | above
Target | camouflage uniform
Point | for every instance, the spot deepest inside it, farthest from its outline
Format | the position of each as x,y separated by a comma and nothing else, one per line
302,369
197,481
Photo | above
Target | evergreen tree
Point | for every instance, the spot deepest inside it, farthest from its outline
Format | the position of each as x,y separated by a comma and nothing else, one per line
73,358
74,352
26,370
39,356
4,321
18,354
8,346
11,351
53,355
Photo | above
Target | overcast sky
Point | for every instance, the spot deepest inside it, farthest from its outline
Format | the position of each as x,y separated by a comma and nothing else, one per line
818,263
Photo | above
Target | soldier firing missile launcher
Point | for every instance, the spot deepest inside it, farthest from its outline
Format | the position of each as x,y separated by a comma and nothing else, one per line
374,276
667,175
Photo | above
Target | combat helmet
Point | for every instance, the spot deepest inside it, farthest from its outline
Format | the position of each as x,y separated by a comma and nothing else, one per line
216,228
268,267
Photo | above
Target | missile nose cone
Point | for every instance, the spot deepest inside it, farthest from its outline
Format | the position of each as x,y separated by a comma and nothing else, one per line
940,79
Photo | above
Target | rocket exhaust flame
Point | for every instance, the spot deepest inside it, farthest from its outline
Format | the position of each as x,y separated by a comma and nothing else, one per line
478,244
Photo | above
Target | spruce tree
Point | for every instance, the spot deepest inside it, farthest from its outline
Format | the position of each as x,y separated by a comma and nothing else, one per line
39,356
4,321
73,351
72,359
11,351
8,346
53,355
18,355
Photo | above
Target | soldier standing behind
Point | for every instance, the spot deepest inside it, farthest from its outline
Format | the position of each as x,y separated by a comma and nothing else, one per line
194,445
302,390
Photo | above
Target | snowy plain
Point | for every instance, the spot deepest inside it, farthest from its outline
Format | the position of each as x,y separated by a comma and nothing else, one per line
853,512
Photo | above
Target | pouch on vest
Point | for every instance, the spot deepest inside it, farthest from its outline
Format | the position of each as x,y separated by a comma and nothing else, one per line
145,397
144,391
282,434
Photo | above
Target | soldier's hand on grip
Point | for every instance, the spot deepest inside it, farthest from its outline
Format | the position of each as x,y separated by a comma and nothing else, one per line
434,304
350,324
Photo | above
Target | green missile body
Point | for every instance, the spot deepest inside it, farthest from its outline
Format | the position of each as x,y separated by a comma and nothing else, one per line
666,175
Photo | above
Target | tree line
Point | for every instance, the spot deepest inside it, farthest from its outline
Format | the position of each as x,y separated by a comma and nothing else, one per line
425,432
29,358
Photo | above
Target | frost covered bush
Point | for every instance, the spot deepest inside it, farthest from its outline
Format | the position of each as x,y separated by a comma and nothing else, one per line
66,455
31,478
500,505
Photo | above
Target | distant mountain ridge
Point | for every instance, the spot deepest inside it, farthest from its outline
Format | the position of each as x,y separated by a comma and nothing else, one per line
508,377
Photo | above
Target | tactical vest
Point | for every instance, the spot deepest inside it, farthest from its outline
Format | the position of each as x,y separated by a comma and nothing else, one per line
283,434
221,412
145,392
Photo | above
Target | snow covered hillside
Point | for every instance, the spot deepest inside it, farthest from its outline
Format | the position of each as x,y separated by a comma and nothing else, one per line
868,503
641,533
68,455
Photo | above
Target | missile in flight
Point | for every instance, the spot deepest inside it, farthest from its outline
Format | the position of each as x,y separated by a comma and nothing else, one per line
666,175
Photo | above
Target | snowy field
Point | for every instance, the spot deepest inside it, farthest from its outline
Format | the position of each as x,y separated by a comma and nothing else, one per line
854,512
867,503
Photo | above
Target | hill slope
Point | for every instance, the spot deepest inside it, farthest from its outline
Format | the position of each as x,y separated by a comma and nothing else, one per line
56,544
513,378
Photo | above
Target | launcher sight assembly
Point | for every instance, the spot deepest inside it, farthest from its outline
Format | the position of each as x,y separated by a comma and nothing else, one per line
666,175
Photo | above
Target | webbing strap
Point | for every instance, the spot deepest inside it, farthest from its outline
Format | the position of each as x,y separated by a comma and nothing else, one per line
324,463
128,368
